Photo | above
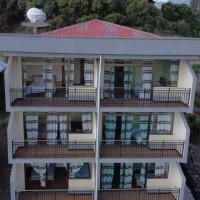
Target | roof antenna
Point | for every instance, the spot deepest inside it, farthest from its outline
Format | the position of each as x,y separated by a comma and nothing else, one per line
36,19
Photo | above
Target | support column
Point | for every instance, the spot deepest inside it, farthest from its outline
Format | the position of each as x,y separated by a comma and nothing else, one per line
97,130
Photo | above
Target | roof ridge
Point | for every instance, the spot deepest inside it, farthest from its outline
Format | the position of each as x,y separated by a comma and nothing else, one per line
103,23
70,26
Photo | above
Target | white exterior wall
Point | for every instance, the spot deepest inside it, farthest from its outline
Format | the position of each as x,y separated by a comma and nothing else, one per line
174,179
20,177
83,184
180,129
178,133
187,79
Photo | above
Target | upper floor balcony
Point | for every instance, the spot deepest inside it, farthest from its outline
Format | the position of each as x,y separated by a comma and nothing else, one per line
70,83
57,82
56,181
136,136
139,83
58,136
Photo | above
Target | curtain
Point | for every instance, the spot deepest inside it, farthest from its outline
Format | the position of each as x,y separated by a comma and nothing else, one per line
174,65
48,80
109,81
142,175
52,129
128,81
159,169
144,128
107,173
66,78
112,82
110,126
31,128
71,78
24,75
147,80
69,75
74,168
88,73
126,174
126,129
40,169
163,123
107,77
87,122
63,125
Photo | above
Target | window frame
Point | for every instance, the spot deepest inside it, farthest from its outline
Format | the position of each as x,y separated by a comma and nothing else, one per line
89,176
165,176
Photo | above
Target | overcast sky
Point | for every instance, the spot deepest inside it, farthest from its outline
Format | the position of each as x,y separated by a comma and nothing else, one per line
177,1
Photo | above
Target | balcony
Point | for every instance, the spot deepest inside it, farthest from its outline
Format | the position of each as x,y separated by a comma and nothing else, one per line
139,194
54,195
146,149
157,97
74,96
55,149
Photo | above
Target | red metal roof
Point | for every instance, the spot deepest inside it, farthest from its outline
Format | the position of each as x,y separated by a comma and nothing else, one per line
97,29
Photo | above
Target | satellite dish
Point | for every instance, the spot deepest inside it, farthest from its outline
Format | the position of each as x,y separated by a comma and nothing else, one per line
36,15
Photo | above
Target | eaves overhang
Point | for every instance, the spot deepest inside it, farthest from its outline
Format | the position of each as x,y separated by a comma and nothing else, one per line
35,45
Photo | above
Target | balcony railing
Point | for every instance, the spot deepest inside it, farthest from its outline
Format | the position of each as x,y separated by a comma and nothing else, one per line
57,97
55,195
139,194
53,149
144,149
155,97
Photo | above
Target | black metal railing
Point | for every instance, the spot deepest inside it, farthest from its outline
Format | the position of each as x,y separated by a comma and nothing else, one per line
146,97
52,149
57,96
54,195
138,194
139,149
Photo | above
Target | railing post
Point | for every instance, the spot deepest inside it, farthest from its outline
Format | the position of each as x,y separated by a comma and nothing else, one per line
163,148
183,146
31,95
144,96
53,95
188,102
168,96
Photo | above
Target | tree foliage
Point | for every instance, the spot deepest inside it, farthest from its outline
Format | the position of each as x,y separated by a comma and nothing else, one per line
178,19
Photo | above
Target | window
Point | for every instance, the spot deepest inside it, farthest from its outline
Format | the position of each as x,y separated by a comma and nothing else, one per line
158,170
165,73
83,73
162,123
42,127
76,123
81,123
80,171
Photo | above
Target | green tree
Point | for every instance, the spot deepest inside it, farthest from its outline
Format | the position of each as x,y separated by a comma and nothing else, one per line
140,12
106,7
195,5
183,28
115,18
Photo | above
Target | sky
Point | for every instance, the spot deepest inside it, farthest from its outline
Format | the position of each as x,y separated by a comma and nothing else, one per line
176,1
159,2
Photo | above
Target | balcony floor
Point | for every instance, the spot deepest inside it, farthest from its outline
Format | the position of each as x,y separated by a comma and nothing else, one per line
136,151
136,102
134,195
53,196
45,151
61,102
